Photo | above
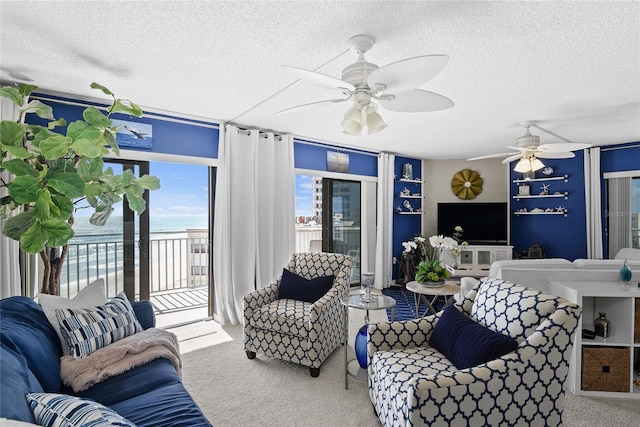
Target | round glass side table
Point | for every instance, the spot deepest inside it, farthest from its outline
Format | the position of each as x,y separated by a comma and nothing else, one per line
379,302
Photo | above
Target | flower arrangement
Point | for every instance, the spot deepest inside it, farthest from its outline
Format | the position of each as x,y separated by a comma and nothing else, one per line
429,259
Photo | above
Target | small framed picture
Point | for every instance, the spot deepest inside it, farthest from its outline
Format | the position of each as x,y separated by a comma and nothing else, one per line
523,190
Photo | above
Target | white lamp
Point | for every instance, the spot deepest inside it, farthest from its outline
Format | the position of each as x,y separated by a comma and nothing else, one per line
352,121
529,163
374,121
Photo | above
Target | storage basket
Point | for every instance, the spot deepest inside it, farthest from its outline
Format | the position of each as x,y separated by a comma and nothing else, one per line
606,369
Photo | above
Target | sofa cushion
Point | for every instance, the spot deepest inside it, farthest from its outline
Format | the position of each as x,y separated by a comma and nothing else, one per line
297,287
61,410
87,330
534,264
466,343
285,315
17,382
90,296
605,264
25,329
168,406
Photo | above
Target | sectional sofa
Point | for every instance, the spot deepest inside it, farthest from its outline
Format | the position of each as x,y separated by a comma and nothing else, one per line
150,394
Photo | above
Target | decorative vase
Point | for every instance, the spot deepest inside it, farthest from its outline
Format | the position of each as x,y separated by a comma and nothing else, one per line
625,272
361,347
603,326
366,283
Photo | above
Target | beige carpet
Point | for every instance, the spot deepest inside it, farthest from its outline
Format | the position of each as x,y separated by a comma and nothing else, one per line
234,391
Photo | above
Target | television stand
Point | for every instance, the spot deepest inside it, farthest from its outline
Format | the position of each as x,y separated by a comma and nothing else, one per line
485,254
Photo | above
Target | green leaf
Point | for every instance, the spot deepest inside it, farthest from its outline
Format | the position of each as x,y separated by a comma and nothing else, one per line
120,107
102,214
93,190
13,94
24,189
10,133
134,197
42,208
42,110
86,148
34,239
26,90
81,130
106,91
15,226
19,168
149,182
95,117
40,134
64,206
97,165
56,123
68,183
58,232
55,147
18,152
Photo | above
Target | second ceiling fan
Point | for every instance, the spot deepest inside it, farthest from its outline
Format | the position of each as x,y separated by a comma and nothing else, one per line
393,86
530,151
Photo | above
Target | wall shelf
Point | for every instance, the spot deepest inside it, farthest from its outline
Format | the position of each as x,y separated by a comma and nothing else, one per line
410,213
551,178
415,181
540,213
541,196
410,197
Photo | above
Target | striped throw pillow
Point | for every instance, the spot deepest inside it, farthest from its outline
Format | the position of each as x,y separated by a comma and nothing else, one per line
58,410
87,330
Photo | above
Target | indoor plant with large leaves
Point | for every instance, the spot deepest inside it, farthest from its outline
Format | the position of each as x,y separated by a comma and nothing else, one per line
57,166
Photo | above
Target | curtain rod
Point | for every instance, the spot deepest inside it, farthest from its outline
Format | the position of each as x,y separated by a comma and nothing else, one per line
263,134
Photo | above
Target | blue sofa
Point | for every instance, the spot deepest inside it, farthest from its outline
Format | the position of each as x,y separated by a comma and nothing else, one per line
148,395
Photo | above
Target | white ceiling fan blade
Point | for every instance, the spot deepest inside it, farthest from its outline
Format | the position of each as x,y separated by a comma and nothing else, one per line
416,100
512,158
319,79
311,104
407,74
529,149
491,156
563,146
554,155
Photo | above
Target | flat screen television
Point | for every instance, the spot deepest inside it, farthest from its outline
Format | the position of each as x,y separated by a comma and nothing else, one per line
482,223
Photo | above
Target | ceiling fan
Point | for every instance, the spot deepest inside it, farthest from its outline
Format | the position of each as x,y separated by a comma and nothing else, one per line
530,151
393,86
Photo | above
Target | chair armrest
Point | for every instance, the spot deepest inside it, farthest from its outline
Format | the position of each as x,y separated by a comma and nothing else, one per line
258,298
400,334
144,313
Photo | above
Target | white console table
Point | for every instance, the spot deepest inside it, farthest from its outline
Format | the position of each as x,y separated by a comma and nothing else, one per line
485,254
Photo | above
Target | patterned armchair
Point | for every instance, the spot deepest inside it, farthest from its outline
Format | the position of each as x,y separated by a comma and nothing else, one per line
297,331
411,383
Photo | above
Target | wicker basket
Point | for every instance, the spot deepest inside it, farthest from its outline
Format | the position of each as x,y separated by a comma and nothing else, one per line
606,369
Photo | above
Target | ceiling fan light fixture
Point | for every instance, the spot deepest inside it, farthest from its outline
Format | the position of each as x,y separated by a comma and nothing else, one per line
352,121
528,164
375,123
536,164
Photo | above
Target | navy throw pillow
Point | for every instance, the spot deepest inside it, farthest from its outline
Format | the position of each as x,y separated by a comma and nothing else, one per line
467,343
296,287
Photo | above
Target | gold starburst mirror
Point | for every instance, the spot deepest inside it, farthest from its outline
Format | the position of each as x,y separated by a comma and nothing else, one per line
467,184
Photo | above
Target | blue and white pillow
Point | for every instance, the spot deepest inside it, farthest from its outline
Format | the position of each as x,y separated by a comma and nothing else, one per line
87,330
61,410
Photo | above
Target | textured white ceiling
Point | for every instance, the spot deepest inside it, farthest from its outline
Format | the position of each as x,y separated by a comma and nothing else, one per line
572,66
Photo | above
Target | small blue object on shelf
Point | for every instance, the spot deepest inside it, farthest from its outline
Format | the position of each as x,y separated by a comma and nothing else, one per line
361,347
625,272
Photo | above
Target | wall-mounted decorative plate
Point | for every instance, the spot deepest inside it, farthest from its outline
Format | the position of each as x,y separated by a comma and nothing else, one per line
467,184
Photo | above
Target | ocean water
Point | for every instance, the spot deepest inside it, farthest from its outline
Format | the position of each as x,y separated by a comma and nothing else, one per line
99,251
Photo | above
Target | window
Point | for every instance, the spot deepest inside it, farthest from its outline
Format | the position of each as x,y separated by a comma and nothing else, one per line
635,213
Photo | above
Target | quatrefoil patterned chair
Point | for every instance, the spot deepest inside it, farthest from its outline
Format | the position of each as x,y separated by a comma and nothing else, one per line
297,331
413,384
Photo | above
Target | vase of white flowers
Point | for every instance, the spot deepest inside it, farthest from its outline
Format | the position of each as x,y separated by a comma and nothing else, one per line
432,270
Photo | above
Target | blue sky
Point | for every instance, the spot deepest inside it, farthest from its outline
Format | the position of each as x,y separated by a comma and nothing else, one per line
184,189
304,195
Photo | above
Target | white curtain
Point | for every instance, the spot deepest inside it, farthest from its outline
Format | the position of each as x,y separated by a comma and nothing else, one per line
368,227
384,229
593,203
619,214
9,249
254,215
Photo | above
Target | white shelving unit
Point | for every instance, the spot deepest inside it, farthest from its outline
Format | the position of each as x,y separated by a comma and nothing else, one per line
562,194
619,301
417,186
549,178
485,254
542,196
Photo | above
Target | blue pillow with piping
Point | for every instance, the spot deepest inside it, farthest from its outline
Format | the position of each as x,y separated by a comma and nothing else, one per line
297,287
467,343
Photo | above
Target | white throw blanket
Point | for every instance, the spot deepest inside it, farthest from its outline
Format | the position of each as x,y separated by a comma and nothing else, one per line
118,357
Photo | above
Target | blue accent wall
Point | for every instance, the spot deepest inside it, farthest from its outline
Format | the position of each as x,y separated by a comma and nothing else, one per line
169,137
559,236
405,226
314,156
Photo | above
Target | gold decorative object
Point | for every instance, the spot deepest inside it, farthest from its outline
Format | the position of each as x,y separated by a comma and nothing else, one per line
467,184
